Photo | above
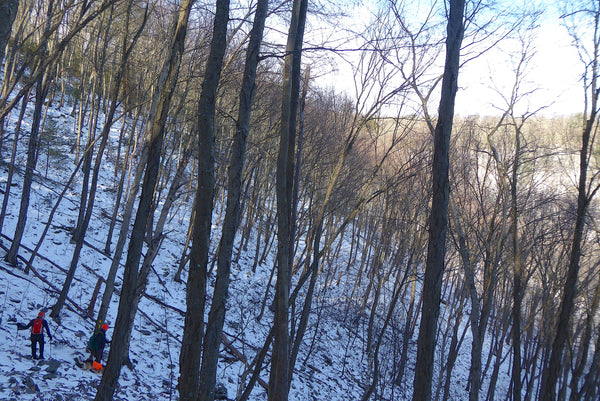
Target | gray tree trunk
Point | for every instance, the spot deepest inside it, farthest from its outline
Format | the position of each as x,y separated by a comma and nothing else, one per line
42,87
438,220
110,279
154,139
88,204
189,359
517,275
11,166
551,373
216,317
279,378
8,12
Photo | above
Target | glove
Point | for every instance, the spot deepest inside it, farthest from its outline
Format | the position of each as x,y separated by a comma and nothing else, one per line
20,326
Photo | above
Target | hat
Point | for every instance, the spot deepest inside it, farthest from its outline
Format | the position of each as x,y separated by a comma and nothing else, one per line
41,314
105,327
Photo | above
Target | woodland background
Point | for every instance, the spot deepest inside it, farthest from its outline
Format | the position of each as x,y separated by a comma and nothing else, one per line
441,234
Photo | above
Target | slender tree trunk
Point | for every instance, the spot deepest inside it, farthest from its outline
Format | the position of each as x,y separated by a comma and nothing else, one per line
9,69
476,346
8,12
88,193
314,272
279,377
434,267
189,360
124,171
11,166
216,317
154,139
41,92
517,280
86,167
409,328
82,227
42,86
552,372
581,362
590,388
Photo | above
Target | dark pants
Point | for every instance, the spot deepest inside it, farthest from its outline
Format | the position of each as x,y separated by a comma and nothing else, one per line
37,339
97,355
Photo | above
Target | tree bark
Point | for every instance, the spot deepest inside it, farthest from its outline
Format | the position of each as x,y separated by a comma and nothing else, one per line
112,273
216,317
8,12
279,378
553,369
11,166
189,359
517,273
154,137
438,220
82,226
41,92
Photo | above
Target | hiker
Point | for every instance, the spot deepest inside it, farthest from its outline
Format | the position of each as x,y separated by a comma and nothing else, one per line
37,333
97,343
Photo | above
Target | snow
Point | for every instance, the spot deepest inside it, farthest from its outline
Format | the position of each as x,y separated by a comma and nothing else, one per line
336,369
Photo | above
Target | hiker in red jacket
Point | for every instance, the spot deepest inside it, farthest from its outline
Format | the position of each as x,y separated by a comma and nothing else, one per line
37,334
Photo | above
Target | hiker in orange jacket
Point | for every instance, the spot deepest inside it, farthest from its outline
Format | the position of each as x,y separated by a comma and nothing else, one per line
37,334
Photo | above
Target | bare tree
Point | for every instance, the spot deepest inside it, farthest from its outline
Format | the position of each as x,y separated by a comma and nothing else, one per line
279,375
154,140
588,16
80,232
216,316
8,12
434,266
189,359
42,85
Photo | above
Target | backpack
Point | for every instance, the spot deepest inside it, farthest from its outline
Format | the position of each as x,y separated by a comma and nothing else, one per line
38,325
92,343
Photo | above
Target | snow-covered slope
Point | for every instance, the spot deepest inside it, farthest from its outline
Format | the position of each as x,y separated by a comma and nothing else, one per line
331,366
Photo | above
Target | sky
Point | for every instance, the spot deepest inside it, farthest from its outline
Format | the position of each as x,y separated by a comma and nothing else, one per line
553,74
552,78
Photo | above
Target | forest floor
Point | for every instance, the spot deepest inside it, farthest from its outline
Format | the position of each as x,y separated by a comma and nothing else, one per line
331,365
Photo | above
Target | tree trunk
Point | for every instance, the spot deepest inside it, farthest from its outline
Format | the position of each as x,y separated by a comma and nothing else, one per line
87,205
154,138
279,377
216,317
42,86
552,372
439,208
80,231
11,166
41,92
189,359
120,188
314,272
8,12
